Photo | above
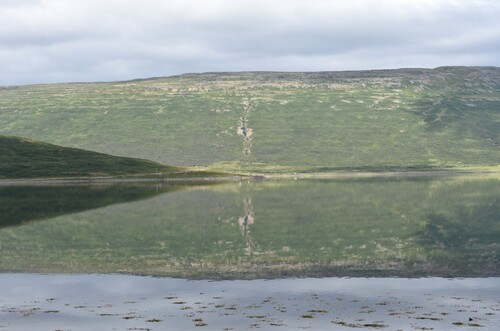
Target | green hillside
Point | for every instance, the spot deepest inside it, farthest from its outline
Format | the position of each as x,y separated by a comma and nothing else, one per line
23,158
372,120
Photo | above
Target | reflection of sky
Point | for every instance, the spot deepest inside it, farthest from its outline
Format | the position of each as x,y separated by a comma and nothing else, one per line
82,299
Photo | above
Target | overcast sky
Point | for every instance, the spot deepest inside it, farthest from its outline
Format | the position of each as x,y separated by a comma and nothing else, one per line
103,40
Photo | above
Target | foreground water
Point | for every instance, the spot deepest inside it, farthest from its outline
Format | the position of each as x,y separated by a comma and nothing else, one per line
115,302
446,230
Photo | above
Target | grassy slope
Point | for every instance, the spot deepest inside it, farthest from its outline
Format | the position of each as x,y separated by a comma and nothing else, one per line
374,120
22,158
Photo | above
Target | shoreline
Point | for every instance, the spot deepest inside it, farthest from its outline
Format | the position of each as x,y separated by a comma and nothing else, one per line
255,176
110,180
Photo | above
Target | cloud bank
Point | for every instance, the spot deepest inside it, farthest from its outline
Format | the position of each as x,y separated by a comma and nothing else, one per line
102,40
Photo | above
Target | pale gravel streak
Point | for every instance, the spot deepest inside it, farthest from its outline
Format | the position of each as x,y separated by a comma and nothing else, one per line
243,129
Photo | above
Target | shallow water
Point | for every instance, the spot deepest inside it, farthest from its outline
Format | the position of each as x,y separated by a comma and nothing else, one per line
422,254
116,302
446,227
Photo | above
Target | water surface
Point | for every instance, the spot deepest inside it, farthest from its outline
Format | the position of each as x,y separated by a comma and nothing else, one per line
117,302
413,227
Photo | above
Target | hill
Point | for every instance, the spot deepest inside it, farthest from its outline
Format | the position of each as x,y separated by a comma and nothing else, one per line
23,158
268,121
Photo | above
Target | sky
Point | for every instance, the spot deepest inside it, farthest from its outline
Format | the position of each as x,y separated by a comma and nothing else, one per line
47,41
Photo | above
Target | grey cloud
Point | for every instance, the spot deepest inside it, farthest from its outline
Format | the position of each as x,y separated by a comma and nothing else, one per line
89,40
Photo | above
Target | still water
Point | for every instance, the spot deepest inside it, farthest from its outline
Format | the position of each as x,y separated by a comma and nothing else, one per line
448,227
117,302
394,254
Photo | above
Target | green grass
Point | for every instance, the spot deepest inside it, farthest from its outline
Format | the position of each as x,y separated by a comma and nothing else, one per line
408,119
23,158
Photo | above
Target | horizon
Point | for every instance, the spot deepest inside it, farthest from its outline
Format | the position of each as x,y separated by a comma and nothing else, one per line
243,72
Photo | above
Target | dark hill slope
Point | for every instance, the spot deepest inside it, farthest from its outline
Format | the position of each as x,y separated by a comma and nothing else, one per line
22,158
380,119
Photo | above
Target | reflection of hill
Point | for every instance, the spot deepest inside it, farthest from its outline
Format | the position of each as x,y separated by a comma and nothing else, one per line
419,227
465,238
23,204
381,227
244,223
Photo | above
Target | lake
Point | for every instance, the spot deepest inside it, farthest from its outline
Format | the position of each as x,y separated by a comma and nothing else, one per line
346,245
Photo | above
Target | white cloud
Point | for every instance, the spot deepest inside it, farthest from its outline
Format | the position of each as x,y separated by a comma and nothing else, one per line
68,40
